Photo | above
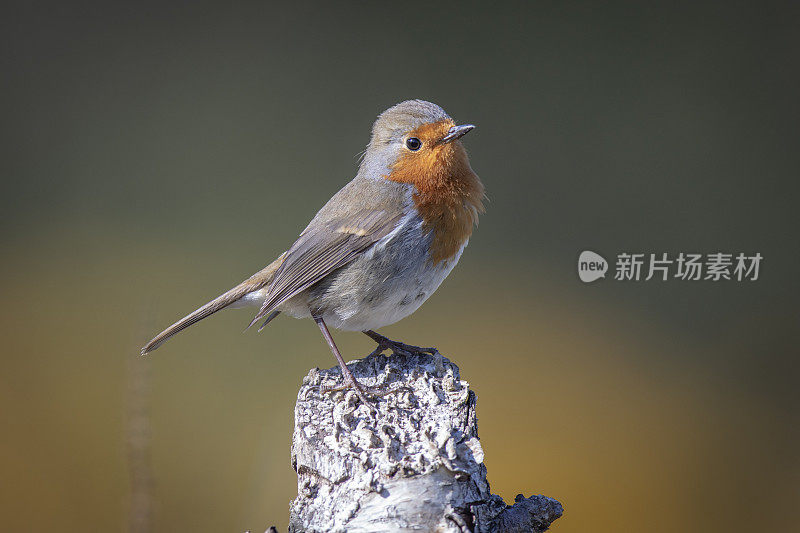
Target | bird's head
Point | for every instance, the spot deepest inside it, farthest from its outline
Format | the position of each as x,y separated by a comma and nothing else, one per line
418,143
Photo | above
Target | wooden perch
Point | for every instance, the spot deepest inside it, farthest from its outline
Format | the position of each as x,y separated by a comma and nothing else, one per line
415,465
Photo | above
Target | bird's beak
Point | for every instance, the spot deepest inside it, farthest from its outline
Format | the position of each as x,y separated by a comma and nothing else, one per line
456,132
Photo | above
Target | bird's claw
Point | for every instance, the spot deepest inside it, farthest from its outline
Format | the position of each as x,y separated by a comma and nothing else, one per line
361,390
384,343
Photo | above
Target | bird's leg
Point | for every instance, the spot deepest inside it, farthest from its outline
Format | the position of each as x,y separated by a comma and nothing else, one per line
349,380
397,347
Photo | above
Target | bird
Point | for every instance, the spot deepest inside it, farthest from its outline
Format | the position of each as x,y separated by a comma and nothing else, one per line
380,247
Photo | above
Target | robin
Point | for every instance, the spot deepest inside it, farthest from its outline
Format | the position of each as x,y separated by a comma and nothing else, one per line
381,245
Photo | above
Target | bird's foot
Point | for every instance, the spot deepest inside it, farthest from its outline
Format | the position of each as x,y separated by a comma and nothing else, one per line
385,343
361,390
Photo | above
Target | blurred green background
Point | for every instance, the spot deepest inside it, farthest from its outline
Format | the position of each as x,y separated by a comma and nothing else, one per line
155,155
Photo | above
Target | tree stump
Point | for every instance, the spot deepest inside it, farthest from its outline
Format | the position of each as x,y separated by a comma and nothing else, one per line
416,464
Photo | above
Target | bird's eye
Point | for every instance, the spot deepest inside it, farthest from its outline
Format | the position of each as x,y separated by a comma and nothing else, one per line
413,144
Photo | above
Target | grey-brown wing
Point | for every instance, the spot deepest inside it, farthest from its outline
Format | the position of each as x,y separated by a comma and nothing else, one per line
322,249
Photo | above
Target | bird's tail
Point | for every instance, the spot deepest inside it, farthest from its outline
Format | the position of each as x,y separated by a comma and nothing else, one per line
257,281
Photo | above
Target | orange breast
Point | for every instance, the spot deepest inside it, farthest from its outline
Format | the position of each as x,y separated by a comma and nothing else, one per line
448,193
